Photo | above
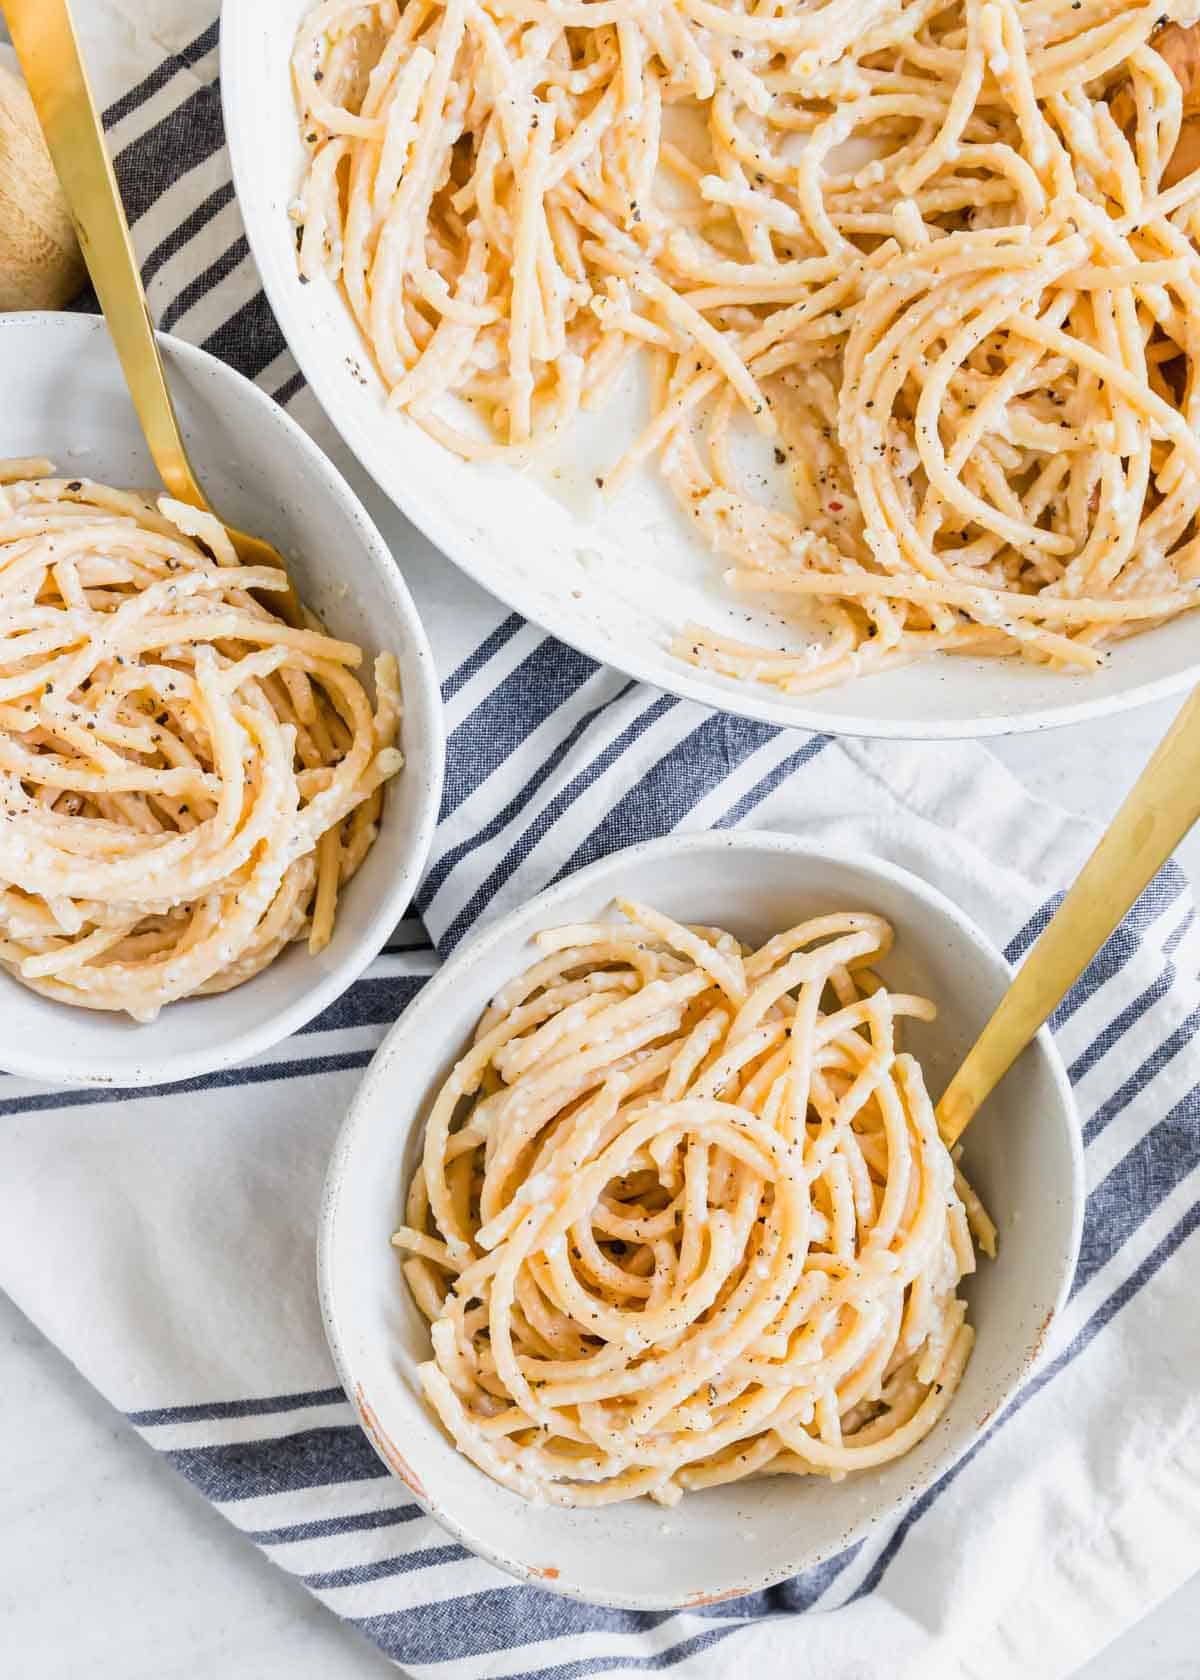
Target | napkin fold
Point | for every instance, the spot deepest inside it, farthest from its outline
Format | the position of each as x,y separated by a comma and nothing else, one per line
165,1238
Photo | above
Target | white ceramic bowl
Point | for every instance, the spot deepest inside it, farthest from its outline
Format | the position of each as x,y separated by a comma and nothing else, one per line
615,579
1023,1154
64,397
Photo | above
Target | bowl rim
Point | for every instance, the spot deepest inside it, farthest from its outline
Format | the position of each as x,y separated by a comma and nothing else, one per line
418,673
438,523
533,912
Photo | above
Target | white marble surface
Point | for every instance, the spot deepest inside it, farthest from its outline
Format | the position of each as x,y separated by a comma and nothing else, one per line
111,1565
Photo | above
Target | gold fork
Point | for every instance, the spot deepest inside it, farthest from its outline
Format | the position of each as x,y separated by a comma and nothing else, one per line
48,49
1158,811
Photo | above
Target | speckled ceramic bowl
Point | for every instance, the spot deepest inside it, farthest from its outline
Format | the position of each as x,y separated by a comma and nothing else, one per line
616,578
1023,1153
64,397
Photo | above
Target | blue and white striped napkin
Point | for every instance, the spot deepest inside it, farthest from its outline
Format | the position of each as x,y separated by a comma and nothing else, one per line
164,1239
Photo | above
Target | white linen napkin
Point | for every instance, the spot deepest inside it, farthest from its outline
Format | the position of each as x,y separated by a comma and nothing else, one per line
164,1239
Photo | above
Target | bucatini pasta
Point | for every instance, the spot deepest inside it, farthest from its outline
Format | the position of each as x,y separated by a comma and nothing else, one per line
185,781
683,1215
939,254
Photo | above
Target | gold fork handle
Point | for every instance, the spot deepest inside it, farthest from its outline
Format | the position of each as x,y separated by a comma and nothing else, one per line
48,50
1158,811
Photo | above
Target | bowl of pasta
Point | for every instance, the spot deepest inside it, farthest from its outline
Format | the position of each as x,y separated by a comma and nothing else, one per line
832,368
640,1241
212,818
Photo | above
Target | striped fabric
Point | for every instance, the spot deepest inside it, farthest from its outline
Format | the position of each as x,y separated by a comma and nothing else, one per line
195,1207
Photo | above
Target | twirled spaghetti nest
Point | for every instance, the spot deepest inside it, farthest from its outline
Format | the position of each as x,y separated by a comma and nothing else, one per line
185,781
683,1215
939,255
